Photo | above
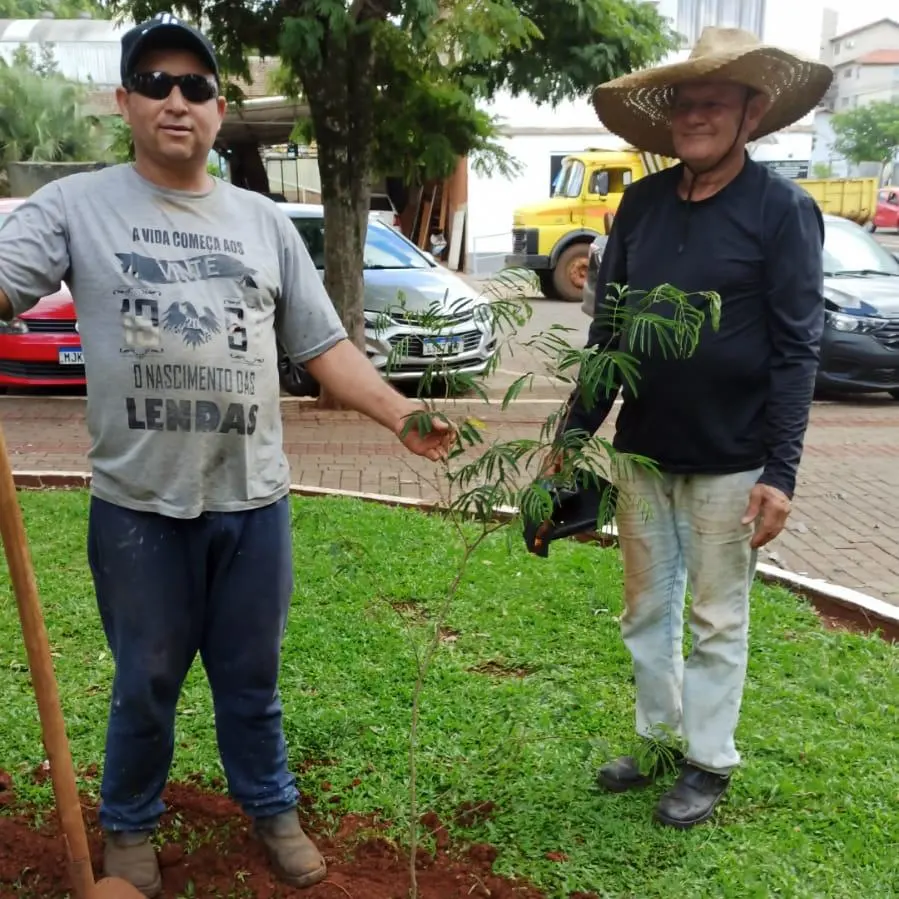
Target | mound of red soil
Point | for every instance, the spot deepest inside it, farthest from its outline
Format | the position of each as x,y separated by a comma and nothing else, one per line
209,850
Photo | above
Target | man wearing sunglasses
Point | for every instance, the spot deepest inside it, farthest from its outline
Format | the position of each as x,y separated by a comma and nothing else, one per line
182,284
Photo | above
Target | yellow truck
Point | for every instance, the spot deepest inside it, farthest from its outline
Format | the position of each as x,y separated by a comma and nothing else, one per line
553,238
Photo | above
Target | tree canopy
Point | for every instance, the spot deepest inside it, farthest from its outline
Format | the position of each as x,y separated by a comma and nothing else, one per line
41,114
61,9
868,133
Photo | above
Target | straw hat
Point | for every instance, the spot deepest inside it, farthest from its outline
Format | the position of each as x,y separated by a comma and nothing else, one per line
636,107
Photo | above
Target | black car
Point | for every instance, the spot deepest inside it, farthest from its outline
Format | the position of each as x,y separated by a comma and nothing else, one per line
860,348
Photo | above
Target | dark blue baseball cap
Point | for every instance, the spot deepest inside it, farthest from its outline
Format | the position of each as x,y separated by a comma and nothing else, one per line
165,31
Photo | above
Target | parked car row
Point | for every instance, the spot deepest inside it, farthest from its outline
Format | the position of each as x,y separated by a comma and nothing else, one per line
860,346
42,348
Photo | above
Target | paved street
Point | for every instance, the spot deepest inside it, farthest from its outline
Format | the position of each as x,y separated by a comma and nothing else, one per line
890,239
844,526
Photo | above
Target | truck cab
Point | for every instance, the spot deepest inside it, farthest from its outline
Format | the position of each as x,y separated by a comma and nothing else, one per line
553,238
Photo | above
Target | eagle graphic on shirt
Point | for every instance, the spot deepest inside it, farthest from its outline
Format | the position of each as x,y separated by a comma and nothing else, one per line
195,328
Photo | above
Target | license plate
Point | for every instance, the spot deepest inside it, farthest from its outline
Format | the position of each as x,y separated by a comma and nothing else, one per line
442,346
71,357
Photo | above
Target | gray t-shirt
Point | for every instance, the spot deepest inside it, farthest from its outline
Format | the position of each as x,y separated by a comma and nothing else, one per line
179,298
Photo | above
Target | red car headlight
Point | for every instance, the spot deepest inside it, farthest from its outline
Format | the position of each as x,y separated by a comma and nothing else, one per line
15,326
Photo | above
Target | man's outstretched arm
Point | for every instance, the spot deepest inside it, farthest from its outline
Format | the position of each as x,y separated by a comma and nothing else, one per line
312,334
355,383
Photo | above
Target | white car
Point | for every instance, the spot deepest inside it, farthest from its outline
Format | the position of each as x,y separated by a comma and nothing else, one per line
382,206
400,282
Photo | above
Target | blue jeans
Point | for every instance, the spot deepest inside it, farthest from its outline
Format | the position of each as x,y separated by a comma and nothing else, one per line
167,589
676,530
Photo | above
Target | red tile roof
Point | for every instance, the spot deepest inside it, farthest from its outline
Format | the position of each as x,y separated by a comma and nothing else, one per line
879,58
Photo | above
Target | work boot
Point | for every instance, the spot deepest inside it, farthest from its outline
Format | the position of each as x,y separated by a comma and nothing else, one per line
132,857
624,774
693,798
292,855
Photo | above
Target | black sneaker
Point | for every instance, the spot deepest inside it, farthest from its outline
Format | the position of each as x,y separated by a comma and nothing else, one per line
624,773
693,798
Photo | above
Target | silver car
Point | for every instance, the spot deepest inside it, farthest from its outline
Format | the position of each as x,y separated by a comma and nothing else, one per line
402,282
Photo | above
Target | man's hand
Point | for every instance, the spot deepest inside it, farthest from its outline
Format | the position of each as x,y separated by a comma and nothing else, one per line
435,444
346,373
769,508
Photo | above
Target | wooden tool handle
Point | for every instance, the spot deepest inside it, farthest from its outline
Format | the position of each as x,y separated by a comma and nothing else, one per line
37,645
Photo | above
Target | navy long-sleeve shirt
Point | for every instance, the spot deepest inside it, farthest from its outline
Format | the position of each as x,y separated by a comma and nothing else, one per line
742,400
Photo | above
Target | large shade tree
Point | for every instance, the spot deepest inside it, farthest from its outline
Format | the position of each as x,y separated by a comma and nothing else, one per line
393,86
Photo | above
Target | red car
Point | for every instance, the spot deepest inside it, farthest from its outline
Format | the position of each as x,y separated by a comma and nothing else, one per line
41,348
887,215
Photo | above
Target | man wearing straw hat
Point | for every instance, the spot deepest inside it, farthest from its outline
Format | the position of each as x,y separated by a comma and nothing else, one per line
727,425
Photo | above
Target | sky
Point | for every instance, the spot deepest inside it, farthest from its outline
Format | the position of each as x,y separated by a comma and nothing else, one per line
796,24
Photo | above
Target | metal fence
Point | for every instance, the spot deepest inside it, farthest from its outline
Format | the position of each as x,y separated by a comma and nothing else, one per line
482,263
297,178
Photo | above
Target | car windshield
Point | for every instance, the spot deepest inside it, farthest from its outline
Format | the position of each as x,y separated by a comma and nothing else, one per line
570,179
384,247
850,251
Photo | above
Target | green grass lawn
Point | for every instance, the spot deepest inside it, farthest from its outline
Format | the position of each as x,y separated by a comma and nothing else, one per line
814,812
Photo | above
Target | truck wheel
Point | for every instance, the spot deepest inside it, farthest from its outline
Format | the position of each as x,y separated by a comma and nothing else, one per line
547,287
570,273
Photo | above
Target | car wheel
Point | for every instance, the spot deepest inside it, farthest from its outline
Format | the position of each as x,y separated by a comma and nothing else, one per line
570,273
547,287
295,380
870,227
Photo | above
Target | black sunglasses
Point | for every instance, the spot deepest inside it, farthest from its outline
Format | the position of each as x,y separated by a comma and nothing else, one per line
158,85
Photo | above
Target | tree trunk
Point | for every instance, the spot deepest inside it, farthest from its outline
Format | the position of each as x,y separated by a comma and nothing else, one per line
341,100
346,217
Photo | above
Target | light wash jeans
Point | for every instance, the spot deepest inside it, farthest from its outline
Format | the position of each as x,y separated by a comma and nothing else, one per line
675,530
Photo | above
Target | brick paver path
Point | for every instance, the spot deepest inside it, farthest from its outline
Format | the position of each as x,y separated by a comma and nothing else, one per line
844,527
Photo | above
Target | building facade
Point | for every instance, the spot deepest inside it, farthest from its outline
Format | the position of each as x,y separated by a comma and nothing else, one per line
866,65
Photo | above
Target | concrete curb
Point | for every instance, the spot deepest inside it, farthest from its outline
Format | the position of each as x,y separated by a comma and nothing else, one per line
861,611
